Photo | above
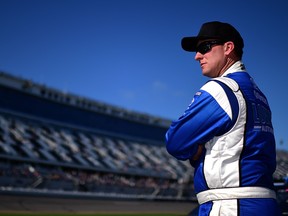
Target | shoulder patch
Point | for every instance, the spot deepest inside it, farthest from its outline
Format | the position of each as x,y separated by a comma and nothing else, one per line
198,93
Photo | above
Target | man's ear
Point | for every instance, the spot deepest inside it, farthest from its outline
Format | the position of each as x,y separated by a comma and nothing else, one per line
229,47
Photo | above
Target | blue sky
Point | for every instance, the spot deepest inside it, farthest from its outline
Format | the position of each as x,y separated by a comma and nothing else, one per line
127,52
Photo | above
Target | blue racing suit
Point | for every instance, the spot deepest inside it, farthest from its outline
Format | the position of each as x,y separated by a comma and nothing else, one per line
230,120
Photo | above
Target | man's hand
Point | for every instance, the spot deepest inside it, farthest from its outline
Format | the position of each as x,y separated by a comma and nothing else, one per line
198,153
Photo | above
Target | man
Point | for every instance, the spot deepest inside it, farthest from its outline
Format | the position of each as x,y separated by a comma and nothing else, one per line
226,131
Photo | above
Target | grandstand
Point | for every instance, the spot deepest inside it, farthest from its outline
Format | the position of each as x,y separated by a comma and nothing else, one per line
59,144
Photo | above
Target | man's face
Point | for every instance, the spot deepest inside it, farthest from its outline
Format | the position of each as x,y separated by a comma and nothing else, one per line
212,59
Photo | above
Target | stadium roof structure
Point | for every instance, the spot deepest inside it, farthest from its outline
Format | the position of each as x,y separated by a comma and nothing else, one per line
82,102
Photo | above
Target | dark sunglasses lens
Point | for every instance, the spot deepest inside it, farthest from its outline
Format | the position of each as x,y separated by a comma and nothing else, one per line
207,46
203,48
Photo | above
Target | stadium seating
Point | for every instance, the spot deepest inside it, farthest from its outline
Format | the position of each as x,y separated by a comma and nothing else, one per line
41,156
37,155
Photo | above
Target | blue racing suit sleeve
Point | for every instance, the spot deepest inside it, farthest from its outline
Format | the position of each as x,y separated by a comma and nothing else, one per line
203,119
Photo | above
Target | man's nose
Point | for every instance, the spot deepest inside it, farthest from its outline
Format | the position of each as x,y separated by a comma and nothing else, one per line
198,56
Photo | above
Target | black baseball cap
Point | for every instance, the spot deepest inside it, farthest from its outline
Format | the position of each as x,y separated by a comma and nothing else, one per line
214,30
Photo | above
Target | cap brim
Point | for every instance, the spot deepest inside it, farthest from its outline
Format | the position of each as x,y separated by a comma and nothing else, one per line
189,43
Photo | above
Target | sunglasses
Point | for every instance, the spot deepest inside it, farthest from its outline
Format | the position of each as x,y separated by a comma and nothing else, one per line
207,46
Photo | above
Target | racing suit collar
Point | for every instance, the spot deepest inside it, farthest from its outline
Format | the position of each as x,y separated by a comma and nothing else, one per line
236,67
